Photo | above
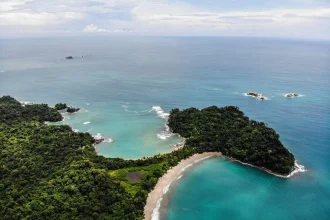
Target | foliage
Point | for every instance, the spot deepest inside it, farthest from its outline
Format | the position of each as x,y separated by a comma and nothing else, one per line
51,172
60,106
12,111
227,130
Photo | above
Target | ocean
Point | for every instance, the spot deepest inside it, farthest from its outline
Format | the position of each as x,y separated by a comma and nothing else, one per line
125,86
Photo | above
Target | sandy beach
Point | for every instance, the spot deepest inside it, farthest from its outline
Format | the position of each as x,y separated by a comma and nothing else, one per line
151,210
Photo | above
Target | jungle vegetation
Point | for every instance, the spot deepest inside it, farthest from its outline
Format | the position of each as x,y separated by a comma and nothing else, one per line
229,131
51,172
61,106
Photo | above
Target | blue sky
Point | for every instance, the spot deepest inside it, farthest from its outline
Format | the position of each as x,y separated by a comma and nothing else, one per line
307,19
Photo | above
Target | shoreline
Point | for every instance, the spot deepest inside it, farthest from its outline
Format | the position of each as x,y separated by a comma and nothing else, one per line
151,209
155,197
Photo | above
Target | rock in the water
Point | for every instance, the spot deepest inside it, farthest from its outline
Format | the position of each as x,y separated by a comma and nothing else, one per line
253,94
98,138
72,110
69,57
290,95
256,95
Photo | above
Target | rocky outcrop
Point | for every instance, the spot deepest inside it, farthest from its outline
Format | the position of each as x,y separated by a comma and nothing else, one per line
291,95
256,95
253,94
98,138
72,110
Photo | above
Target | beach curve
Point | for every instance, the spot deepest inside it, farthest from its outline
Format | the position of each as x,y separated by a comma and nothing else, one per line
151,209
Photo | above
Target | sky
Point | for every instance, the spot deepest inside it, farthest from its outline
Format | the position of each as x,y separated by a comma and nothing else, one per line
303,19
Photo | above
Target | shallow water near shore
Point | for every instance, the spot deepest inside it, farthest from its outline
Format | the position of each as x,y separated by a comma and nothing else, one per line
118,81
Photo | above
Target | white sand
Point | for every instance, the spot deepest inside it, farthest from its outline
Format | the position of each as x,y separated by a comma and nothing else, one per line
151,208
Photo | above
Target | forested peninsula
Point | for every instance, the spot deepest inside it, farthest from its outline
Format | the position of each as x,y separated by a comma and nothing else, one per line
52,172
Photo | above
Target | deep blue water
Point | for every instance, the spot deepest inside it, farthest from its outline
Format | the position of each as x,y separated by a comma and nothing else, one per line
119,80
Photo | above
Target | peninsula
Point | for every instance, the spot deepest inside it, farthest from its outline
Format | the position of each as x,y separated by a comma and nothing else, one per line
52,172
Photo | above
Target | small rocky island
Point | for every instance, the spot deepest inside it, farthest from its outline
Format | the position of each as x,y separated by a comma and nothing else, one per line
69,109
291,95
256,95
72,110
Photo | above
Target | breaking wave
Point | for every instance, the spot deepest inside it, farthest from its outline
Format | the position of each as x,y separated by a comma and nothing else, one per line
298,169
184,168
196,161
160,112
155,213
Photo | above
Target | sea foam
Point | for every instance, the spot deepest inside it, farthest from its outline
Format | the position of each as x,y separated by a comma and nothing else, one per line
196,161
166,188
258,97
298,169
155,213
184,168
160,112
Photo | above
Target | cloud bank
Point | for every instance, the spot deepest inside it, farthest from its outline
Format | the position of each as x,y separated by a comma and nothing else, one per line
301,19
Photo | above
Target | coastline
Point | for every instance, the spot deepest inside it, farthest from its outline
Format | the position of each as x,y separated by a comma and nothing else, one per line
155,197
151,209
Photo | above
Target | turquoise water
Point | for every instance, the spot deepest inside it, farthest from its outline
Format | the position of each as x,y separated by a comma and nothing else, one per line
118,81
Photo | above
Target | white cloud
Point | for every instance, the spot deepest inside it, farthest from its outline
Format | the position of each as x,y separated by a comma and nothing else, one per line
181,14
35,19
12,4
94,28
164,17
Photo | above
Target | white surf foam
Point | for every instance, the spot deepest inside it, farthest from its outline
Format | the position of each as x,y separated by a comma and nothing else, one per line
126,109
87,122
179,177
259,97
65,116
164,135
108,140
75,130
155,213
99,136
298,169
89,130
184,168
160,112
196,161
166,188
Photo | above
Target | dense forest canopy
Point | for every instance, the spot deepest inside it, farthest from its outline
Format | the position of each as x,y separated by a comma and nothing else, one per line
51,172
227,130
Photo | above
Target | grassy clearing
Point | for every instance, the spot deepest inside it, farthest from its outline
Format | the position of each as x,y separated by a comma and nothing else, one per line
121,175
